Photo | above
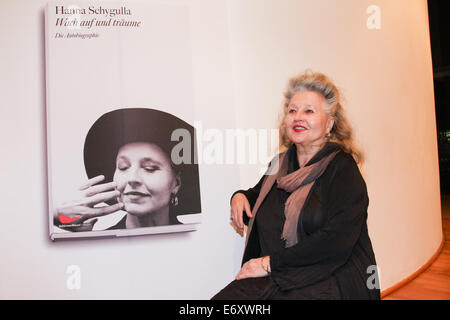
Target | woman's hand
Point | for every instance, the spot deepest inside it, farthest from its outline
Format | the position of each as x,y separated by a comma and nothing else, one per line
239,204
255,268
73,216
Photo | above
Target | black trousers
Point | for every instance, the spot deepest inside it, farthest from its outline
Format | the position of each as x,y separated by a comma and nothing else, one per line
266,289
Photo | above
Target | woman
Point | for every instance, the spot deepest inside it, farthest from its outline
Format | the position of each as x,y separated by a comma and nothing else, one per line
307,235
132,150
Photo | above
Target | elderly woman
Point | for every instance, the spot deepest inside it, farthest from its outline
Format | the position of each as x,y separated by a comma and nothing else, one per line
307,234
132,150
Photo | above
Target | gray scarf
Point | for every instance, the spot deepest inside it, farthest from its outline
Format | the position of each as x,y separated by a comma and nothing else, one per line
298,183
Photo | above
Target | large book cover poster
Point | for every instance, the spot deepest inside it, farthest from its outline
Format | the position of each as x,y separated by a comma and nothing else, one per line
120,108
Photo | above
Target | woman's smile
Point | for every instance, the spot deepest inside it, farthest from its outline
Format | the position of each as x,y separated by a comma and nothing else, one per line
299,128
135,195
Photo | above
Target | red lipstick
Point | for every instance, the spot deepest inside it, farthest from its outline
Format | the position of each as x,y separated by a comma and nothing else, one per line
299,128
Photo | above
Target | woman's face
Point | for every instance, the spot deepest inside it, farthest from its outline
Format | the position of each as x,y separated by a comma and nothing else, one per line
306,121
144,177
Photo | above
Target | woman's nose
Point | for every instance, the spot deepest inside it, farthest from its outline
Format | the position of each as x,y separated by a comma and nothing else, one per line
134,177
298,116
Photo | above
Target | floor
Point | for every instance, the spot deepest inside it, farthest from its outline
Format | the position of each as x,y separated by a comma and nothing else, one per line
434,283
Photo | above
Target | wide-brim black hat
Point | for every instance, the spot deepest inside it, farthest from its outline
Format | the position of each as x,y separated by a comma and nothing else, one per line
119,127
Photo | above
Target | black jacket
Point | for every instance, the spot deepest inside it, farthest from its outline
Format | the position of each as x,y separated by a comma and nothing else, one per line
334,243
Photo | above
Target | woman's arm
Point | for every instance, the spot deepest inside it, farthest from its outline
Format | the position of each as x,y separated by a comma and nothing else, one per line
244,200
255,268
252,193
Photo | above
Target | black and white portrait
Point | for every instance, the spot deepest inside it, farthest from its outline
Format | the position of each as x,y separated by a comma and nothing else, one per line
140,162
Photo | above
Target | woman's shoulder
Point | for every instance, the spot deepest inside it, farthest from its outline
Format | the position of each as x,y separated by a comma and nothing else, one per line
344,169
345,159
274,163
342,158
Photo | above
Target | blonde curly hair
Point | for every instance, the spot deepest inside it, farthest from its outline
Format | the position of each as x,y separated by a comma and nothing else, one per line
342,132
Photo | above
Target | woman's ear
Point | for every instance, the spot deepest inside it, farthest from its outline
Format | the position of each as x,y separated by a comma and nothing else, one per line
177,183
330,123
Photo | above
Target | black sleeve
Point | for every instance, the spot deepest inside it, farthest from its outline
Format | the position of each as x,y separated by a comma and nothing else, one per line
251,195
318,255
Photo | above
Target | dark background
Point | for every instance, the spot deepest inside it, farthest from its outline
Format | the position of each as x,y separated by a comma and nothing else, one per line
439,19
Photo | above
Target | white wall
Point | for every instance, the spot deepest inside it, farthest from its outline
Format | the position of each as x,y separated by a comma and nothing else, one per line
243,54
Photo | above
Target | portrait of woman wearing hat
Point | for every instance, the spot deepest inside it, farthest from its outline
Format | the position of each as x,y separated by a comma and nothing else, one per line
128,157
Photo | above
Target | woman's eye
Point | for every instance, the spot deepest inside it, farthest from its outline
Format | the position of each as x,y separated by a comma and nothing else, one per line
309,110
122,167
151,169
292,110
